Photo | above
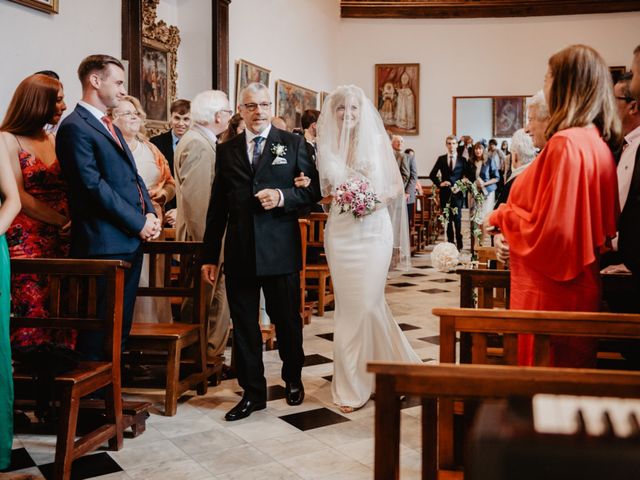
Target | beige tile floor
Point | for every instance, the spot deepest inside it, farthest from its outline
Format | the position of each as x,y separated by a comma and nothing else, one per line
198,444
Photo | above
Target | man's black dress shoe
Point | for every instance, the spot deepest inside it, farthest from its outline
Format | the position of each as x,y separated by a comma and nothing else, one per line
294,392
243,409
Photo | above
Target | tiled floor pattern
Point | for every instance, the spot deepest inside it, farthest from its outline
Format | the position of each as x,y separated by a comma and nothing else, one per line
311,441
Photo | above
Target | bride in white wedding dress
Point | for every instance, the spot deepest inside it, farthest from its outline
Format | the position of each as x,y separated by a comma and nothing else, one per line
354,146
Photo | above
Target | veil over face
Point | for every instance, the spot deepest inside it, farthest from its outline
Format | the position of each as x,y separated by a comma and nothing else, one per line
353,143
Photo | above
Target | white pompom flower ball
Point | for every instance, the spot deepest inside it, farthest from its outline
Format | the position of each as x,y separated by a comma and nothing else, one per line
445,256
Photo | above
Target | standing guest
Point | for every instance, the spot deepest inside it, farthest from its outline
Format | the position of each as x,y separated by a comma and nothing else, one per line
110,207
167,142
195,167
9,208
410,188
129,117
255,201
397,143
310,131
279,123
450,168
504,147
50,73
522,154
236,127
557,221
486,176
466,147
41,228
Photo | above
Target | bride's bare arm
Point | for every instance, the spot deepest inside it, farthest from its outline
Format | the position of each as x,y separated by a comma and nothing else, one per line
326,200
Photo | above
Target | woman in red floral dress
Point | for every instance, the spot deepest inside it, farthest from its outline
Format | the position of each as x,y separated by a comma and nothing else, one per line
41,229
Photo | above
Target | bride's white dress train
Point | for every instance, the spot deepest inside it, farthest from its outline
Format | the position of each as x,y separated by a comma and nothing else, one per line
359,253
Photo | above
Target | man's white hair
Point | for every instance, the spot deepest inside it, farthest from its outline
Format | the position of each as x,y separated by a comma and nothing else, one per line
540,103
206,104
254,87
522,145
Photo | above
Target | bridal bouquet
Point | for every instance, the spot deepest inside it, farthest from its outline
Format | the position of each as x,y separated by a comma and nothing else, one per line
356,196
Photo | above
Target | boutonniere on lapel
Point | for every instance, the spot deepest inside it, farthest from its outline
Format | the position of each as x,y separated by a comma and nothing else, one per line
279,151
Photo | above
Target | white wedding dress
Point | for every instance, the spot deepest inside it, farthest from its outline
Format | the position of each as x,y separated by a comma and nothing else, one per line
359,254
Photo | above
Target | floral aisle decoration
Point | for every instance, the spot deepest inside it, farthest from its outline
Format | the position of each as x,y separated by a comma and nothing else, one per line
465,186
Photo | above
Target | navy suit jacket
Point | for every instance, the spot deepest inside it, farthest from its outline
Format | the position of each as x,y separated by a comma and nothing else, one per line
258,242
104,198
460,169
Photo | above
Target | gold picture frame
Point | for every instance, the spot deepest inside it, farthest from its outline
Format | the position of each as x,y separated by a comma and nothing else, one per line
48,6
246,73
292,100
397,96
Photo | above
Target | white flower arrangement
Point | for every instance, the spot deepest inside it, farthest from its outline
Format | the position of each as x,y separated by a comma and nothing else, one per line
278,149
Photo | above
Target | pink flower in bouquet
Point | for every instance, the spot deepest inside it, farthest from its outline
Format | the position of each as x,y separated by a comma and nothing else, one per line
355,196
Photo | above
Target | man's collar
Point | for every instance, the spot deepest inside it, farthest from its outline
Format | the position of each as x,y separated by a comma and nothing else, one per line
174,138
96,112
206,132
250,135
633,135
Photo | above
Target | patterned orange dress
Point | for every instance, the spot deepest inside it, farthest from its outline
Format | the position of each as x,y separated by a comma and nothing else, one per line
559,214
31,238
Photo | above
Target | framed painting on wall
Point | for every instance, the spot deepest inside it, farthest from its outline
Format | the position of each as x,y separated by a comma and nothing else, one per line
155,98
398,97
617,72
292,100
49,6
246,73
508,115
323,97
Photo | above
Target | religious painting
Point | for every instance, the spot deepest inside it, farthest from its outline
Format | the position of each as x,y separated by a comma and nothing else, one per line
397,97
292,100
508,115
246,73
617,72
49,6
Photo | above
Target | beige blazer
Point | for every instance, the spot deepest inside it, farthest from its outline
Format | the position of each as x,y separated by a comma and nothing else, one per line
194,169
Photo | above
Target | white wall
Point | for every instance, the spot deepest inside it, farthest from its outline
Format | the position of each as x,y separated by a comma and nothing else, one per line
31,40
473,57
295,39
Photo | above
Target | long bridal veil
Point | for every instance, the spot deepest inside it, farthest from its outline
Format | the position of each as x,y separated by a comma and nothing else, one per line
353,143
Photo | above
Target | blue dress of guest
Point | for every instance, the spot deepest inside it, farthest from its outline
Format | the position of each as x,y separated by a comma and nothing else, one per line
6,376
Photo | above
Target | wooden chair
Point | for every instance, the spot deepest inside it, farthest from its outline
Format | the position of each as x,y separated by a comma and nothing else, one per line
436,384
73,305
319,270
173,338
479,323
305,307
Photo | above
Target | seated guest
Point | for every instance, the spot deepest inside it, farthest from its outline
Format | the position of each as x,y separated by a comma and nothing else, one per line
522,154
9,208
166,142
41,229
129,117
236,127
556,221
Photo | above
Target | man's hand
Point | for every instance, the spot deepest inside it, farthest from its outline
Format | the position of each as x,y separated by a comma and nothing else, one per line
151,229
269,198
502,248
170,217
445,184
302,181
209,272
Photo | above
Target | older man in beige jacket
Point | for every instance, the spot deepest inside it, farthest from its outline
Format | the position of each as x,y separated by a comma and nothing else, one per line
194,170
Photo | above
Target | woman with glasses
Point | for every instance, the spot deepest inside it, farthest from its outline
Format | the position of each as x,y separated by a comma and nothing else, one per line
153,167
41,229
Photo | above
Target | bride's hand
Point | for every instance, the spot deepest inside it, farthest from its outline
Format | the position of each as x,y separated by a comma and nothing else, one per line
302,181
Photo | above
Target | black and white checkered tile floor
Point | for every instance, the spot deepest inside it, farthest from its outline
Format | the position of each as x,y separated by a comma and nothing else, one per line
311,441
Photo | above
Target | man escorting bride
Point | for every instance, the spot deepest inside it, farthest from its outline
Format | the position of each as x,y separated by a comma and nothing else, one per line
366,235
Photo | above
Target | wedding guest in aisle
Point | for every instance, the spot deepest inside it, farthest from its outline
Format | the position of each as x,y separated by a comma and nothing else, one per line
179,123
254,200
41,229
111,210
486,175
195,167
9,208
236,127
555,220
153,167
310,131
410,187
397,144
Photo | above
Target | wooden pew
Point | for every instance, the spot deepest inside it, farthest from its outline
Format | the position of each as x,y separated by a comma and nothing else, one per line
479,323
73,305
173,338
437,383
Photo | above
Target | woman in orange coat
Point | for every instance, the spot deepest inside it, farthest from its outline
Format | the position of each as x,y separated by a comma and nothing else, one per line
564,208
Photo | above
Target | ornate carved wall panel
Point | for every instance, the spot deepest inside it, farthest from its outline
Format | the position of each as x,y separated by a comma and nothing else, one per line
479,8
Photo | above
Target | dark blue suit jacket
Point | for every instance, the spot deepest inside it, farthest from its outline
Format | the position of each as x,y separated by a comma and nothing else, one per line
104,199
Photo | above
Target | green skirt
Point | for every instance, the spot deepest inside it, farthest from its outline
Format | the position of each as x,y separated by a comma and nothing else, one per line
6,377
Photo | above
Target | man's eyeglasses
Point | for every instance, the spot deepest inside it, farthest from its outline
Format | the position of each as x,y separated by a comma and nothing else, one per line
230,112
252,107
626,99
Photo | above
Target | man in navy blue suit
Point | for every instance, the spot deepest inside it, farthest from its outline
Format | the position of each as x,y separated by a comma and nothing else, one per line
111,211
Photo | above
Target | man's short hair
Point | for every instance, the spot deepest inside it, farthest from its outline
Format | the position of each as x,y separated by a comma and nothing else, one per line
451,137
48,73
309,117
96,63
206,104
540,103
625,81
180,106
493,141
254,87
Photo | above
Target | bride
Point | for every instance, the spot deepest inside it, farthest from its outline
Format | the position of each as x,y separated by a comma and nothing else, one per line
353,146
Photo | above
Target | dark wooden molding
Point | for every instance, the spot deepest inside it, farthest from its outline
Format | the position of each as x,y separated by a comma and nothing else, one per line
220,50
132,43
479,8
